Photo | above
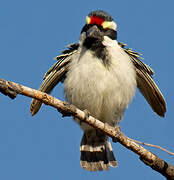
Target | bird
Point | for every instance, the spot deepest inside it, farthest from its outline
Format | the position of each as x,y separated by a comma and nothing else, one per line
100,76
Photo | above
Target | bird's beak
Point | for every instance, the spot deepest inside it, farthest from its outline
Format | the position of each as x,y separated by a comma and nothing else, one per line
94,33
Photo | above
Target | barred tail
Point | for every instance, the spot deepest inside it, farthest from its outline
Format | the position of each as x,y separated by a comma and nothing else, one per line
96,155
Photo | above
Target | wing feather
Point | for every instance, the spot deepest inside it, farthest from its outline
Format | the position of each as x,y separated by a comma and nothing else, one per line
151,92
146,84
54,75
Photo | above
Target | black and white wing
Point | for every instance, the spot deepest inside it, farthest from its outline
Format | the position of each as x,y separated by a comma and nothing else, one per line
54,75
146,84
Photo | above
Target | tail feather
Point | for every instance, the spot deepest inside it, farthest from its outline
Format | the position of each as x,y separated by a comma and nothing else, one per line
96,155
111,157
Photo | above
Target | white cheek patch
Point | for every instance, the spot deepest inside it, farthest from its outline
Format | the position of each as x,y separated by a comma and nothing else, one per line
108,42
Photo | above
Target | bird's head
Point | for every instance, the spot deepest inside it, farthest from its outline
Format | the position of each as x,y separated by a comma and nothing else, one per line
98,24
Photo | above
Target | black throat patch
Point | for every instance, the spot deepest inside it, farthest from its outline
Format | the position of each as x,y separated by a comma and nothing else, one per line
98,49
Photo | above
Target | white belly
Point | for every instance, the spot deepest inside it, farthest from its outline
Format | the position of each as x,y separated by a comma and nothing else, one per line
104,92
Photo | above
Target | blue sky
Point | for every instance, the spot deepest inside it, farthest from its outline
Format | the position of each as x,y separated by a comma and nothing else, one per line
46,146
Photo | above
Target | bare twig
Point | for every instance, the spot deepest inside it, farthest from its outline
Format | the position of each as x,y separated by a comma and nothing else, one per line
150,159
152,145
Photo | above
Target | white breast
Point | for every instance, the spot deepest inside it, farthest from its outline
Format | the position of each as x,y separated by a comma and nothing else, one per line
105,92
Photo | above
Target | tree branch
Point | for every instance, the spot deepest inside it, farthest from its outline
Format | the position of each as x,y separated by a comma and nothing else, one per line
11,89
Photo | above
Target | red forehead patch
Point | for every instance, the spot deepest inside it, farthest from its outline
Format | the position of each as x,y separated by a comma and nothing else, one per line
96,20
